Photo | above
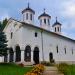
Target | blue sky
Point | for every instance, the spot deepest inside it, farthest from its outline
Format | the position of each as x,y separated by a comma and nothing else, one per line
63,9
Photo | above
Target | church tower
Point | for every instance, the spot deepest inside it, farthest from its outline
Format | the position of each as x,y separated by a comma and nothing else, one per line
57,27
44,19
28,15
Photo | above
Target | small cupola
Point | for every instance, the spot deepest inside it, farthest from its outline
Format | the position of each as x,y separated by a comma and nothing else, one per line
44,19
28,15
57,27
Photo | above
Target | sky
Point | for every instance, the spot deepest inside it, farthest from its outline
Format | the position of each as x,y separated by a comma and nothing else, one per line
63,9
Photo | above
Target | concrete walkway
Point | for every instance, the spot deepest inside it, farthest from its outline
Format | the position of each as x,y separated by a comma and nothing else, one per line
51,71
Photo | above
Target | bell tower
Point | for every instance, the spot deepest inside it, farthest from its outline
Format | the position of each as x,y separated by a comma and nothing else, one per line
28,15
57,27
44,19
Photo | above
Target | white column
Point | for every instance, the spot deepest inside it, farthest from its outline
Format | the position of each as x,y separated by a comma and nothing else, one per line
14,56
22,56
32,57
8,57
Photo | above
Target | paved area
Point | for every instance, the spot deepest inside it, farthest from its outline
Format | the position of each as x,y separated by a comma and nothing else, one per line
51,71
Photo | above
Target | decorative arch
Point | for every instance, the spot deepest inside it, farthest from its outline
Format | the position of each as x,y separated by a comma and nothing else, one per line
11,55
18,54
36,55
27,54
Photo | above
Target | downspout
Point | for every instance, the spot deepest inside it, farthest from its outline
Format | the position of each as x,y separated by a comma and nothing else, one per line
42,44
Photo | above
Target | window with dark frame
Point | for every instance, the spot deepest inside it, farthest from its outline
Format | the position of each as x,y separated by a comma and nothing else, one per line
48,22
11,35
45,21
55,29
72,51
30,16
57,49
65,50
35,34
26,16
58,29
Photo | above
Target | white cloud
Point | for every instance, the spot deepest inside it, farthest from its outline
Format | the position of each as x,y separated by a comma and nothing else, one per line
68,8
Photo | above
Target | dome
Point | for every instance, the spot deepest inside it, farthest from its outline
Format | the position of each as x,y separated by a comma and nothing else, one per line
28,9
56,23
44,14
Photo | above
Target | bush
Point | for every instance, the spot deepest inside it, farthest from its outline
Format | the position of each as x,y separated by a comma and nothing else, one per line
37,70
62,67
21,64
47,63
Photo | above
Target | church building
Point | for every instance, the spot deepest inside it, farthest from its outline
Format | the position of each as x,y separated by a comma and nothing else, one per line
31,44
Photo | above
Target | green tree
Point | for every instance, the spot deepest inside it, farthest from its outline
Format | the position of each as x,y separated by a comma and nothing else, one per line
3,41
4,22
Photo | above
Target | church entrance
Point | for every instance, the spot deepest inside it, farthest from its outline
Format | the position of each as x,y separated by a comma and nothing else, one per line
27,54
18,54
11,55
51,56
36,55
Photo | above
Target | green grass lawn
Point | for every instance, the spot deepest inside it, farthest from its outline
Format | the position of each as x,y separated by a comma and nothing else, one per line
12,69
67,69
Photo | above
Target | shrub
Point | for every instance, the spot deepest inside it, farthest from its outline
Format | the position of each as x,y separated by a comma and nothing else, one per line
47,63
63,67
21,64
37,70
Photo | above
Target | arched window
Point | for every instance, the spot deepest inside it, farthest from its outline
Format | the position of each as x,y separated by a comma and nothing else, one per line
36,55
72,51
58,29
45,21
26,16
57,49
30,16
18,54
11,55
48,22
27,54
55,29
65,50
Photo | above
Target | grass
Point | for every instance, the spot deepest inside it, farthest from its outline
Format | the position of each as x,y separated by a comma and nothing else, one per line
12,69
67,69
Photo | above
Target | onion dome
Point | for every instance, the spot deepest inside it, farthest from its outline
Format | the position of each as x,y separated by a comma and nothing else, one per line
28,9
56,23
44,15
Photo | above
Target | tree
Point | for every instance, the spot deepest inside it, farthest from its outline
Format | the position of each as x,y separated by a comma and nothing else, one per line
3,41
4,22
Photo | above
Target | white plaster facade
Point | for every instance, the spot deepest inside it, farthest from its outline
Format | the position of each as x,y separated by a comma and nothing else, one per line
46,41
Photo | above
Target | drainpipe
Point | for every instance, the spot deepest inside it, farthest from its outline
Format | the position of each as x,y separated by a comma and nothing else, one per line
42,44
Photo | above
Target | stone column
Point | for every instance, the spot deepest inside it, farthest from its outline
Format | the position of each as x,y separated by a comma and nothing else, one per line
8,57
22,55
14,56
32,57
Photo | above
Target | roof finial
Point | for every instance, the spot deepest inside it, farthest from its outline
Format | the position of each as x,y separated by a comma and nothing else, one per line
28,4
56,19
44,10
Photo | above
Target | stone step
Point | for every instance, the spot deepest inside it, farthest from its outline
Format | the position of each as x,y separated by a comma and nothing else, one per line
51,68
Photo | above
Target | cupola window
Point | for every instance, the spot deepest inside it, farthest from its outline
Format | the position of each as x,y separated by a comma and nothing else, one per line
45,21
30,16
48,22
58,29
55,29
26,16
